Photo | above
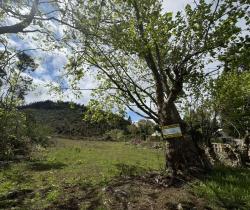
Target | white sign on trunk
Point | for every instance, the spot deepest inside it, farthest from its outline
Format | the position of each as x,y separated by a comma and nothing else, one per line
171,131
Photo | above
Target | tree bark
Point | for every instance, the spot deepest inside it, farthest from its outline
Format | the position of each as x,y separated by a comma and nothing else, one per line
211,151
245,153
183,156
19,27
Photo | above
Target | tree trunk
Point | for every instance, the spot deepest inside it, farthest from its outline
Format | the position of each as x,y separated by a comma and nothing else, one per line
245,153
183,156
208,137
211,151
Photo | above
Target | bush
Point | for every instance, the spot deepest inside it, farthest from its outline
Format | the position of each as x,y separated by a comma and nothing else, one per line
38,133
18,134
11,134
154,138
142,129
116,135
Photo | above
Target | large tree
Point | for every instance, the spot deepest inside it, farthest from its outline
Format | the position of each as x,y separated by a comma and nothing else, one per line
144,57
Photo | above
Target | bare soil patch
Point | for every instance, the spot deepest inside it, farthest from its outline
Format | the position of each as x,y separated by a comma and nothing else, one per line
131,193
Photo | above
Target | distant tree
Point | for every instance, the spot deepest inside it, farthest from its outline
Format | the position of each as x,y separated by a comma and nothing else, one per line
116,135
222,101
130,120
133,130
231,94
145,127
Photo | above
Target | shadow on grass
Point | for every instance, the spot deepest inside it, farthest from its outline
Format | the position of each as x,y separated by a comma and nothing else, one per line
45,166
81,196
4,165
15,198
17,176
227,187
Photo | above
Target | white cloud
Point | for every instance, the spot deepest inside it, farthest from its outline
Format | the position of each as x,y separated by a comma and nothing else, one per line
176,5
88,82
43,90
41,69
58,62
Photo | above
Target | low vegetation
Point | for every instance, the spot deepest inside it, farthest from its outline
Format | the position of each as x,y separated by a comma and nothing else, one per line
76,174
71,163
226,187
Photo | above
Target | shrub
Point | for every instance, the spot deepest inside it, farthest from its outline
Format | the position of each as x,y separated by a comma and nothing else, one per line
18,134
11,134
154,138
116,135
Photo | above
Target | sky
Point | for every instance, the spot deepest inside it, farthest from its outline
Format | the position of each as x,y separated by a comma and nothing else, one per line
51,63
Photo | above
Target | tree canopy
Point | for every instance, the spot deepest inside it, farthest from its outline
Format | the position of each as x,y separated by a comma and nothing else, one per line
143,57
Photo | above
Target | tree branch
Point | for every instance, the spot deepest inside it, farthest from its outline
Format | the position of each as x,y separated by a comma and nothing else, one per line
19,27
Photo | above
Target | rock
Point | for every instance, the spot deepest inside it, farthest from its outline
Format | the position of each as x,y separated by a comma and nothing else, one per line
179,206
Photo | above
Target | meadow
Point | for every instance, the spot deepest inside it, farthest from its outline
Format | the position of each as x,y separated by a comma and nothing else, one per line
71,163
73,174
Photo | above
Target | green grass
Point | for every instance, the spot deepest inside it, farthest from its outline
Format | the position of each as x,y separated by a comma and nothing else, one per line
75,169
70,163
226,188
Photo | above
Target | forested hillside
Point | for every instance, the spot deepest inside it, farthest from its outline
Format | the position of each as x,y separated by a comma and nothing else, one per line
65,118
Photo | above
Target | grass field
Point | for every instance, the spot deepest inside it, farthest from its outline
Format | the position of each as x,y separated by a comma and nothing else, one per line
226,188
69,163
77,171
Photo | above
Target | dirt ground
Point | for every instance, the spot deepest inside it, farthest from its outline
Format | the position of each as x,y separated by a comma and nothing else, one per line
137,193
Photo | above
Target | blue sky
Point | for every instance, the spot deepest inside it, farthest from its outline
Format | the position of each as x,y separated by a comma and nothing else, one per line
51,63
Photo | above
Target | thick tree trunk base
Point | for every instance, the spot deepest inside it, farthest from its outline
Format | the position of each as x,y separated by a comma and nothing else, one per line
184,157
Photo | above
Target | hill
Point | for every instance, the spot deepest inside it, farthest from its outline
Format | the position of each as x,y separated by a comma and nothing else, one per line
66,118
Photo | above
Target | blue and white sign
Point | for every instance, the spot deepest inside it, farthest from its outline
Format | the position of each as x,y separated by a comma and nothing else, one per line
172,131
